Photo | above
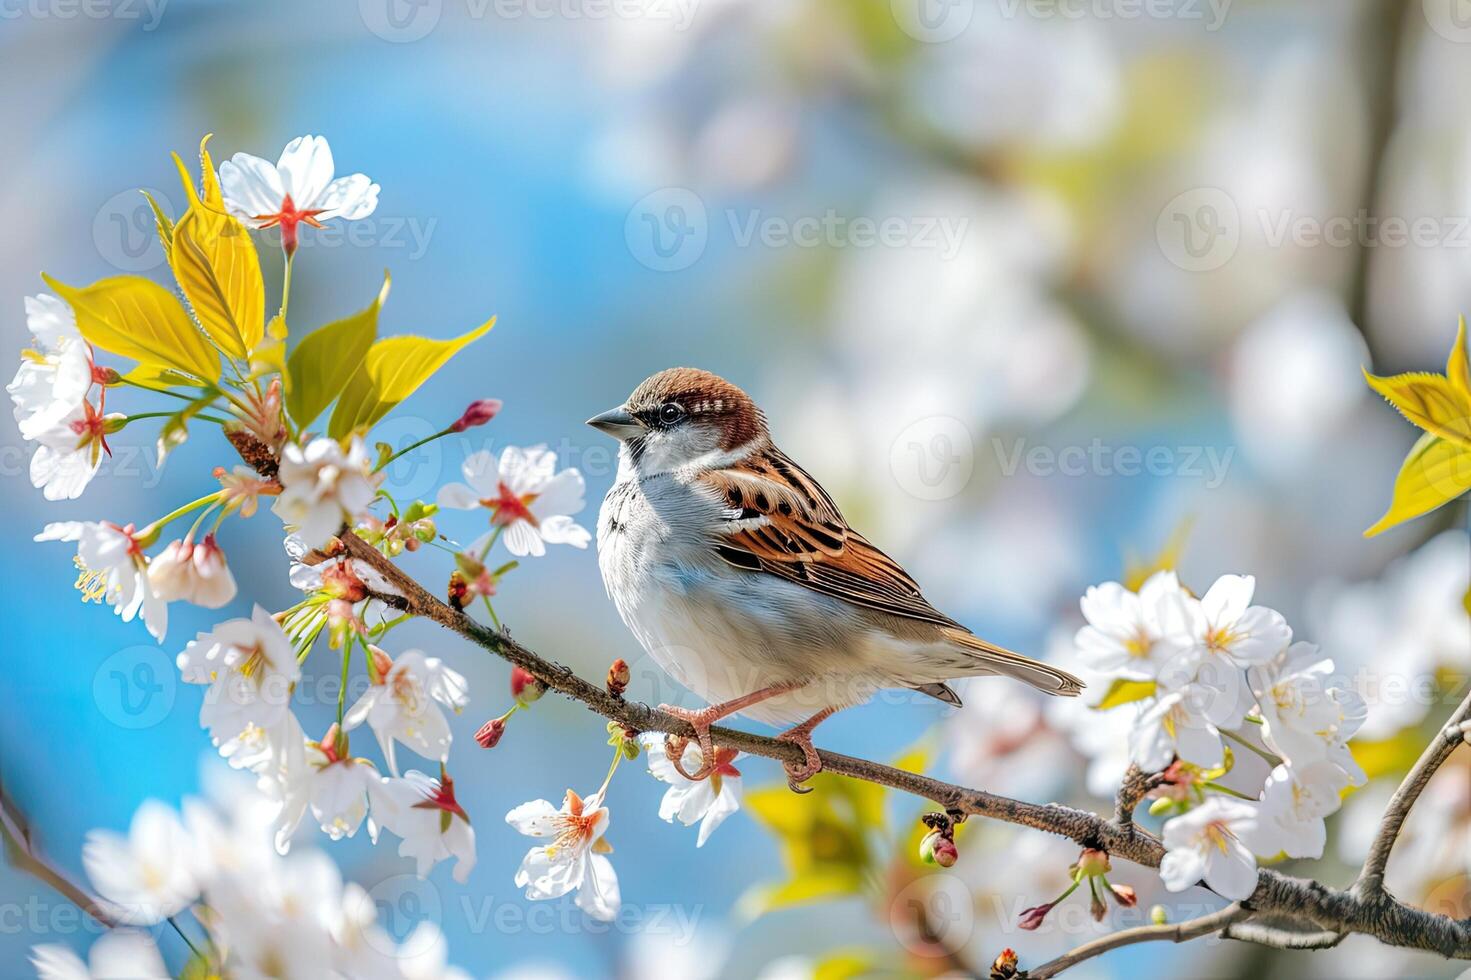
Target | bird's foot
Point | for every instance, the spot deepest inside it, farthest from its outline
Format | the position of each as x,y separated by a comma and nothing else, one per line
811,765
674,745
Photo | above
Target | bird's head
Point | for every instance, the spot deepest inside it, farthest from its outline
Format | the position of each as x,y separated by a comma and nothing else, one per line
682,417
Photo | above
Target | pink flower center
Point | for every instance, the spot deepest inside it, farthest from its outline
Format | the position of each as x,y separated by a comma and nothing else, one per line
507,508
288,218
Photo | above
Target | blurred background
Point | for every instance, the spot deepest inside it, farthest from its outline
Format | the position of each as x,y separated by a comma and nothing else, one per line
1037,288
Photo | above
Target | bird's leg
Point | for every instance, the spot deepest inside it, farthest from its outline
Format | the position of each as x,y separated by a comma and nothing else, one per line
702,718
811,764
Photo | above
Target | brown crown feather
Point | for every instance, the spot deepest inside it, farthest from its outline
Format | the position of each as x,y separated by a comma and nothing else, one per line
706,397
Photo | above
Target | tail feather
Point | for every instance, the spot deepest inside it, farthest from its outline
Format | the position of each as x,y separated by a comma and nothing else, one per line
991,659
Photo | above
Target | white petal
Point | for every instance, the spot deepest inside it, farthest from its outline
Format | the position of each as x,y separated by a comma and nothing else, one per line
1180,869
458,496
1232,873
599,896
1228,598
306,169
350,198
251,187
535,819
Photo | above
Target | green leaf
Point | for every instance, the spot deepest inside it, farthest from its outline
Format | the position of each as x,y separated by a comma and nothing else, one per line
158,378
393,370
215,263
1435,472
327,359
133,317
1126,692
269,356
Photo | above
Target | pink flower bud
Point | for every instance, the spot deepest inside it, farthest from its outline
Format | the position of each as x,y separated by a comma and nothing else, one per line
524,687
341,582
382,663
1032,918
1124,895
490,733
945,853
1097,907
477,413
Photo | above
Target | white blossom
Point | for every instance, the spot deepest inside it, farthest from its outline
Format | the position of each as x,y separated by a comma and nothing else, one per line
1294,803
1184,722
54,376
121,953
433,826
404,706
146,876
705,801
299,186
1208,843
250,668
575,859
1303,715
113,569
1125,634
323,486
1224,624
526,496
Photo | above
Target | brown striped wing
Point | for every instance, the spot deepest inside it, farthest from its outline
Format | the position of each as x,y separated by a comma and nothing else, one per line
783,523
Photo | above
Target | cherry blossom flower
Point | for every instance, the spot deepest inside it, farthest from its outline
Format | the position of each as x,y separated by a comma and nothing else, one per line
1303,716
298,189
113,569
1294,803
69,449
192,572
1125,635
433,826
575,859
527,498
119,953
242,488
1208,843
145,876
250,668
54,376
1185,722
323,486
403,705
340,786
1223,623
704,801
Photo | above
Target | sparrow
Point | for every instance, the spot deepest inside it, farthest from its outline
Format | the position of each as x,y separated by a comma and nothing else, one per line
739,576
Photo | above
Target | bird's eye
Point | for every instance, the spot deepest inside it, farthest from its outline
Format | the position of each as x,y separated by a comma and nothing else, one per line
671,413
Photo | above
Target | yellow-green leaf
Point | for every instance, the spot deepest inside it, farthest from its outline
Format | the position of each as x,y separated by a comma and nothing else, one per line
209,181
327,359
1457,368
1137,571
158,378
163,222
215,262
817,886
393,370
1435,472
269,356
1390,756
1430,401
1126,692
133,317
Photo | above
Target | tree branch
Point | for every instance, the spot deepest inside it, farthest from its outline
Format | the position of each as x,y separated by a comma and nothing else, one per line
1215,922
24,857
1278,938
1371,879
1302,900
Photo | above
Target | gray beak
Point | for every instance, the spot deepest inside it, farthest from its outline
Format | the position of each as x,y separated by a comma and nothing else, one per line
617,423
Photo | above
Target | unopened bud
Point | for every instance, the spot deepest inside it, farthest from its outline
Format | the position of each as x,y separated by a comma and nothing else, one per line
1032,918
525,688
380,663
1004,966
105,375
477,413
1098,908
490,733
1159,915
1124,895
459,590
618,678
1093,862
341,582
945,853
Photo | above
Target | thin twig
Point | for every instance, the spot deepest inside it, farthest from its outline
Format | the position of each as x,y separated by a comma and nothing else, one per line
1177,933
1371,879
24,857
